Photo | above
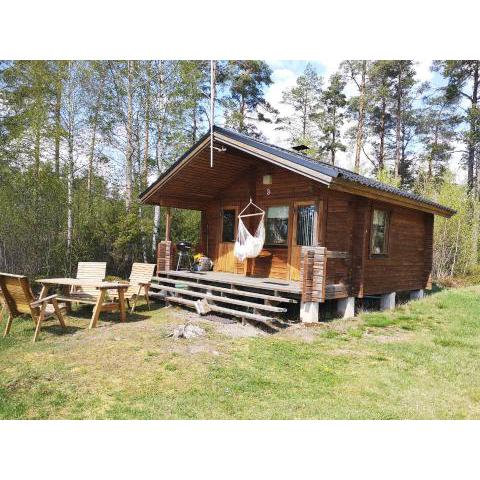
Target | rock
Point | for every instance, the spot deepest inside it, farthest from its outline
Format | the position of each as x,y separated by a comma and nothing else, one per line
188,331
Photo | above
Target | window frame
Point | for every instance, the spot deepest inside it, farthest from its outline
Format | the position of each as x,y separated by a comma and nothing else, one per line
289,227
386,243
235,224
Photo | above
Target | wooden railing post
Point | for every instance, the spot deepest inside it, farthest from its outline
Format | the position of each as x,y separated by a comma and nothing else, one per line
313,272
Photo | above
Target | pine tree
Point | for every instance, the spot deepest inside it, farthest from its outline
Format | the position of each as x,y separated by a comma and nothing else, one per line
379,115
437,134
357,71
244,101
332,118
463,83
305,100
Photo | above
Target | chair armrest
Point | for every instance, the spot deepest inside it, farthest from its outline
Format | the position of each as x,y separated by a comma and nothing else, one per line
38,302
144,283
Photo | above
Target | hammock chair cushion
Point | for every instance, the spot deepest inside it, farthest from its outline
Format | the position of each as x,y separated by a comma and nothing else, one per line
246,244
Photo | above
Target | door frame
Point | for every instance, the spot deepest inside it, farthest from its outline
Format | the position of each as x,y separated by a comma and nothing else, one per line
220,241
317,223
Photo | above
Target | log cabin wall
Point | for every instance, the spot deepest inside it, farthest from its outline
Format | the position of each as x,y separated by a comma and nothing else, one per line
344,225
408,263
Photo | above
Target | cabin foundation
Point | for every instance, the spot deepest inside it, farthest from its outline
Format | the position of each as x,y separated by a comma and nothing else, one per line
416,294
346,307
387,301
309,312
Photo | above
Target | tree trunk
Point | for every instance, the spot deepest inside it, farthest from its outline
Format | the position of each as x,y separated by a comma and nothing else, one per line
130,148
194,124
381,153
36,150
305,118
473,180
70,200
91,155
398,130
334,136
156,228
58,109
361,117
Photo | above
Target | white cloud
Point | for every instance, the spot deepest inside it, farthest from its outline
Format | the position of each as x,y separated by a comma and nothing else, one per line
422,71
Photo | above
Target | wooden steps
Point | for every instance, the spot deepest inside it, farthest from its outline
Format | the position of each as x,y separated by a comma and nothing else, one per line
216,308
232,291
220,299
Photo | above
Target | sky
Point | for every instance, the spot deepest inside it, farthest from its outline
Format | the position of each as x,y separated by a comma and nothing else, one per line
285,73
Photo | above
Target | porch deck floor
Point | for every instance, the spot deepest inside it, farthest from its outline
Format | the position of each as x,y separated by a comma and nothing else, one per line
286,286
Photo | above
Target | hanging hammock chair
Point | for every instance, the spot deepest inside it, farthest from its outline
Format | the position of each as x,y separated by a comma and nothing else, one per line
246,244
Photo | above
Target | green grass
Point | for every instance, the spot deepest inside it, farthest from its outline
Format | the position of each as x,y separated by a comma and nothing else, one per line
418,362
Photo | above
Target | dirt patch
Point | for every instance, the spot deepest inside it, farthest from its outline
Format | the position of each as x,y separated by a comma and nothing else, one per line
308,332
229,327
393,336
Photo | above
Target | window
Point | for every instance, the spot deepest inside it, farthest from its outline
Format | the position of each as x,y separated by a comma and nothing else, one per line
305,225
379,235
228,229
277,226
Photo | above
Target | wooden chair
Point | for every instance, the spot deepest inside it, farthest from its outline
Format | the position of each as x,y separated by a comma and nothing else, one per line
91,272
140,279
18,300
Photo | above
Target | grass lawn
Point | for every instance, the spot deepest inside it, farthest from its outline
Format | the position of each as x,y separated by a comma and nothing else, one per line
419,362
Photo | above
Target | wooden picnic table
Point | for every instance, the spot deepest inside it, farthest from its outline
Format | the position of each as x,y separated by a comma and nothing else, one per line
68,296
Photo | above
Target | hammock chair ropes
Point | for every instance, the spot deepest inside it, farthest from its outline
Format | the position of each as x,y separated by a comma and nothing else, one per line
246,244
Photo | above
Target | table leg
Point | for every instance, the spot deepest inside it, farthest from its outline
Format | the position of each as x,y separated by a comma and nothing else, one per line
121,304
68,305
97,309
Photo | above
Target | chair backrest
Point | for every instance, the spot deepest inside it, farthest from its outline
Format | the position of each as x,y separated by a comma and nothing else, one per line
91,272
17,293
141,272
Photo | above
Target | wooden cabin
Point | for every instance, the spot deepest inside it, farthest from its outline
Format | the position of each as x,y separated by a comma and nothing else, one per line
331,234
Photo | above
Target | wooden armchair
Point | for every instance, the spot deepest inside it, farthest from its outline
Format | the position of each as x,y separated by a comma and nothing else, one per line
140,279
18,300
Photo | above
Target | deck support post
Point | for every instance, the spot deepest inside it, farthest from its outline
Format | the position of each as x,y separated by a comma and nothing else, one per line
346,307
168,223
416,294
387,301
309,312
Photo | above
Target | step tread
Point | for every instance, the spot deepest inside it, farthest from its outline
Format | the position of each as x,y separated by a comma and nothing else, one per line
216,308
244,293
217,298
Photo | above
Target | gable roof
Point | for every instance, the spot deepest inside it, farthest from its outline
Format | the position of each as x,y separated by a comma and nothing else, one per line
333,176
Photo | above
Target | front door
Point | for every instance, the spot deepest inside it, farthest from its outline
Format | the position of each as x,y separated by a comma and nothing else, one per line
228,232
305,233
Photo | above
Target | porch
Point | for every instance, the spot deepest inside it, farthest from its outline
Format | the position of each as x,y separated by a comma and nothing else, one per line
250,298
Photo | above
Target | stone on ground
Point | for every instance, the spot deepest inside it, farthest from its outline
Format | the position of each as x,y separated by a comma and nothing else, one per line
188,331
